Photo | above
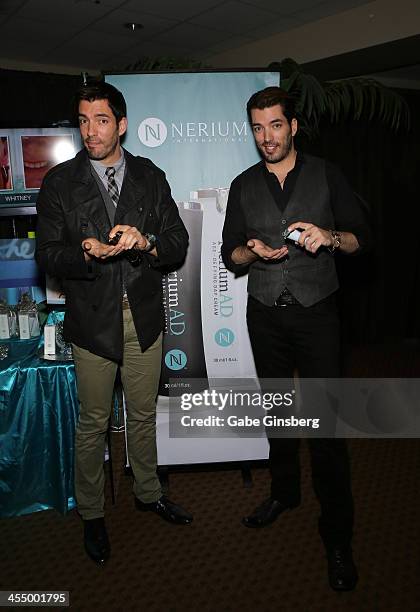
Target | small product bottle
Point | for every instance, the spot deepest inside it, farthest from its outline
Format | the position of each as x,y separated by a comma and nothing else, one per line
28,318
4,321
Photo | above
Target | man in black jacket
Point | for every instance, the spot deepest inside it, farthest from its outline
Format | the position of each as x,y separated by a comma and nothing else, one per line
292,317
106,224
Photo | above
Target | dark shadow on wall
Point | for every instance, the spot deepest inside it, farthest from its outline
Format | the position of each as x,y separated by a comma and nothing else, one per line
380,291
36,99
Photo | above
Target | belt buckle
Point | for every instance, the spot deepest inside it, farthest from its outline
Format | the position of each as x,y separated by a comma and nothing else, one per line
279,304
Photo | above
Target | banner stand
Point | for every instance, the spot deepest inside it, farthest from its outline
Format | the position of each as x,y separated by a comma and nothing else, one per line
194,126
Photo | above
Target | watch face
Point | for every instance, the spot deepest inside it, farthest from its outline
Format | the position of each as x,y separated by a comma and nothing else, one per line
151,238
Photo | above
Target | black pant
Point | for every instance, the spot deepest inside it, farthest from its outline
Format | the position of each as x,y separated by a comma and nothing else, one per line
285,338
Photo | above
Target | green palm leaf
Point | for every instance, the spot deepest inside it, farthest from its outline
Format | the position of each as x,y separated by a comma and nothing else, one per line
347,99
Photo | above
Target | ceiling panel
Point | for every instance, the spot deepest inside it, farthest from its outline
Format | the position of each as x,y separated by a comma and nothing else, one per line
192,36
109,3
233,17
283,7
174,9
34,34
114,24
90,42
279,24
60,13
288,7
229,43
73,32
9,8
328,7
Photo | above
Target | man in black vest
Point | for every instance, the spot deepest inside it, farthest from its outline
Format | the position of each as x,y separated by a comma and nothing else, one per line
292,317
106,225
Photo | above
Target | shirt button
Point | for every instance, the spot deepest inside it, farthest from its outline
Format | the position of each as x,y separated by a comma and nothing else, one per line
284,221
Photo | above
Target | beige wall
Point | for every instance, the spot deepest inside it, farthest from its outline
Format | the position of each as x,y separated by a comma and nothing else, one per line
365,26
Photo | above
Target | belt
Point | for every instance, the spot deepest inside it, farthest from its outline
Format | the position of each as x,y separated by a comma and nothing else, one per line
286,299
125,303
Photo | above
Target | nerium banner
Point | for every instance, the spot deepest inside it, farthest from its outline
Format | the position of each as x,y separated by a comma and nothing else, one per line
309,407
194,126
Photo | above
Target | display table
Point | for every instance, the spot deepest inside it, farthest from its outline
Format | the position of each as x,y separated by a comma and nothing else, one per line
38,413
38,416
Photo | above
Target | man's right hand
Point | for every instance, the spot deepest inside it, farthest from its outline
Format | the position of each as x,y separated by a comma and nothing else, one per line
257,249
264,251
94,249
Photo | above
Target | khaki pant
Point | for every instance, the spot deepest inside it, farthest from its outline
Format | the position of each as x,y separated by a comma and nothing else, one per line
140,374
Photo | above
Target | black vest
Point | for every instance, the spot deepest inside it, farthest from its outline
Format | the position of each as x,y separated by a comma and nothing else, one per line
309,277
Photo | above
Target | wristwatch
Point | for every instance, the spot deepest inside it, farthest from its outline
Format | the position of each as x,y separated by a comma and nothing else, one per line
336,236
151,239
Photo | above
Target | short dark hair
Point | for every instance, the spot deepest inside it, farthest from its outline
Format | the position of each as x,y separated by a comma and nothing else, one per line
100,90
271,96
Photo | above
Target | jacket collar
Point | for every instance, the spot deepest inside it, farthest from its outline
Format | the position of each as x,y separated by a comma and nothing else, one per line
133,188
86,192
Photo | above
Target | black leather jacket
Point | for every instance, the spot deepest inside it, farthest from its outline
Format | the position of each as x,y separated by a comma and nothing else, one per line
70,208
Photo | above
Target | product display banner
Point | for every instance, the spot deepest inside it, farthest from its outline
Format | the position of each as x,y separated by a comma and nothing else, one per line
194,127
26,155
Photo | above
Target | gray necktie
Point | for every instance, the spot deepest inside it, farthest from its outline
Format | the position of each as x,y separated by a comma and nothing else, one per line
112,185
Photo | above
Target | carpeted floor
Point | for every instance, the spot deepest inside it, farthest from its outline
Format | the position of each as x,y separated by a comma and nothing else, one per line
216,564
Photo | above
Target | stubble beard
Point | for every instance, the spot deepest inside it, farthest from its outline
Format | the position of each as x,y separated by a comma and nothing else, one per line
104,152
280,154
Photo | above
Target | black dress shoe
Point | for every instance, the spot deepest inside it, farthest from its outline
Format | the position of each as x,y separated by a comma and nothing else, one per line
342,572
167,510
267,513
96,540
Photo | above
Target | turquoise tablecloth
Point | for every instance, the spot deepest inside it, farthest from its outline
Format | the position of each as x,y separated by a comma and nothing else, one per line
38,414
